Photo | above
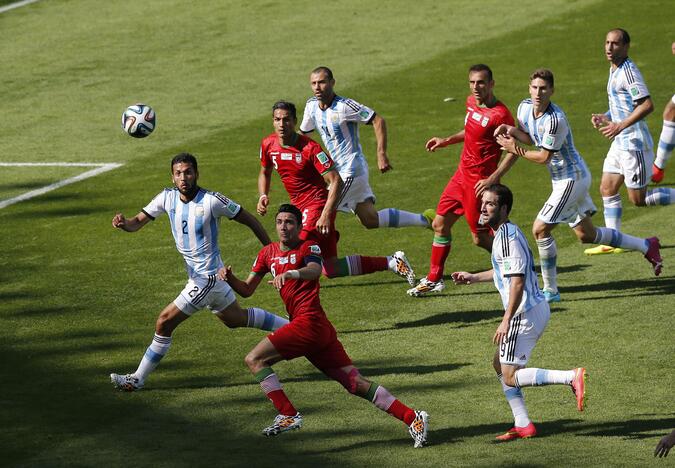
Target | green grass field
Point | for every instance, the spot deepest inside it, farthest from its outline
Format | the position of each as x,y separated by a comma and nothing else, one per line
78,299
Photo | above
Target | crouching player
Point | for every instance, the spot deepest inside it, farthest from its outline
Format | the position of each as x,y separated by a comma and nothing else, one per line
526,313
296,267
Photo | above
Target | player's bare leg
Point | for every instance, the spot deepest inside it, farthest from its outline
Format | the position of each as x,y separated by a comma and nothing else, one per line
440,249
166,323
548,258
388,217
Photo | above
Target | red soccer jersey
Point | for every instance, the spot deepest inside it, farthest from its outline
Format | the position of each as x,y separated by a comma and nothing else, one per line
481,152
300,296
301,168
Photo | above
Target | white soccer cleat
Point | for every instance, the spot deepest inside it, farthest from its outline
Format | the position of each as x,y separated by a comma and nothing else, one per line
425,287
418,428
283,423
403,267
126,383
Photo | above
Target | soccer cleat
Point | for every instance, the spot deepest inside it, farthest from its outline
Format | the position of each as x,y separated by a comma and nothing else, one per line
126,383
429,214
603,249
657,174
283,423
425,287
518,433
579,386
418,428
653,255
551,296
403,267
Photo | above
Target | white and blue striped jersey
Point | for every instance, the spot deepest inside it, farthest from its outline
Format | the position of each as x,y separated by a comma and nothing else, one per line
338,126
195,226
551,131
512,256
624,88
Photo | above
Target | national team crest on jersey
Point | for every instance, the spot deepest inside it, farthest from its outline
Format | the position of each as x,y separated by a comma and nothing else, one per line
298,158
485,121
292,260
199,211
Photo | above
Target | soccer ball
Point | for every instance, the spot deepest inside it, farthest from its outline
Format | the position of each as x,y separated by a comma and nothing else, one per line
138,120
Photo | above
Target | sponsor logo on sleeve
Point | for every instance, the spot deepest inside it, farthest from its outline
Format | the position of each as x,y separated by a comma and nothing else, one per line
323,159
549,140
507,266
315,249
476,116
634,91
364,114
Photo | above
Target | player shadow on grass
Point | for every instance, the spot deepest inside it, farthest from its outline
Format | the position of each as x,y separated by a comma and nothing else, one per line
459,319
624,288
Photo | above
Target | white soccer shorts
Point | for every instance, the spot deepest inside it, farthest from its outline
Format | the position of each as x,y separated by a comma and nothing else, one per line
205,292
569,202
525,329
635,166
356,190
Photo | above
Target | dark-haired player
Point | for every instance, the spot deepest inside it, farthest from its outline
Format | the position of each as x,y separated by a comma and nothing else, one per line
296,267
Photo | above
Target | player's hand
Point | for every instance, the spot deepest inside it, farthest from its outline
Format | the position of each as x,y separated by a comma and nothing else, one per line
507,142
323,224
462,277
483,184
611,129
279,280
502,331
263,202
435,143
664,445
383,163
119,221
503,129
225,273
598,119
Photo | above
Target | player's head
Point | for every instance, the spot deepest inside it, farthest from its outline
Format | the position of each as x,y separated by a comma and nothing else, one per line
541,87
481,83
284,119
496,205
288,223
184,174
617,44
322,82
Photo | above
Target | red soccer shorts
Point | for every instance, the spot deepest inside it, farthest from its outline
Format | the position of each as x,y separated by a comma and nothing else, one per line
311,336
327,243
459,198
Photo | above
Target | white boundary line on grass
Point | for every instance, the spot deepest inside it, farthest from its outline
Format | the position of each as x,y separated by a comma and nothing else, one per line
11,6
100,168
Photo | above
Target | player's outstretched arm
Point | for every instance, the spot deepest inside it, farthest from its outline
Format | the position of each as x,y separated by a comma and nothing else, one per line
380,127
247,219
664,445
132,224
464,277
264,181
310,272
435,143
243,288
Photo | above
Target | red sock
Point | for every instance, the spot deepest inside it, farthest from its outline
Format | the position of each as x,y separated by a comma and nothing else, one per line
439,253
372,264
282,403
402,412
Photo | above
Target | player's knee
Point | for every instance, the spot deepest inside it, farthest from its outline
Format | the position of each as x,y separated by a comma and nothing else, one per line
438,225
370,221
252,361
669,112
349,380
509,379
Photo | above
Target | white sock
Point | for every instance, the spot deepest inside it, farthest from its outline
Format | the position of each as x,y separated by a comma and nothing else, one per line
660,196
155,352
614,238
612,211
514,396
666,144
259,318
392,217
533,377
548,257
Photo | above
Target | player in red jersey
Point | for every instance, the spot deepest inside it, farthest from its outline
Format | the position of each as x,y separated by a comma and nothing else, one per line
479,167
295,265
314,186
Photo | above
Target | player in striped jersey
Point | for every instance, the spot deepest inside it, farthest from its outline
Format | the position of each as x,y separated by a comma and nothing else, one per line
666,139
543,124
526,313
194,218
337,120
631,156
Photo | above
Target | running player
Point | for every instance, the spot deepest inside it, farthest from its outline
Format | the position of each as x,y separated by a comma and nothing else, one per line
305,171
631,156
296,267
479,167
667,138
193,214
526,313
543,124
337,120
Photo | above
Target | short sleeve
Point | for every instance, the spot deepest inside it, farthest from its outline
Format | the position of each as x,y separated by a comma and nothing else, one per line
555,132
322,162
356,112
223,206
156,206
307,124
312,253
260,266
635,84
265,160
514,262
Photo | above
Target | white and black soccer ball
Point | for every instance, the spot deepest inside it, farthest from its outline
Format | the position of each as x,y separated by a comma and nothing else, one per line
138,120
